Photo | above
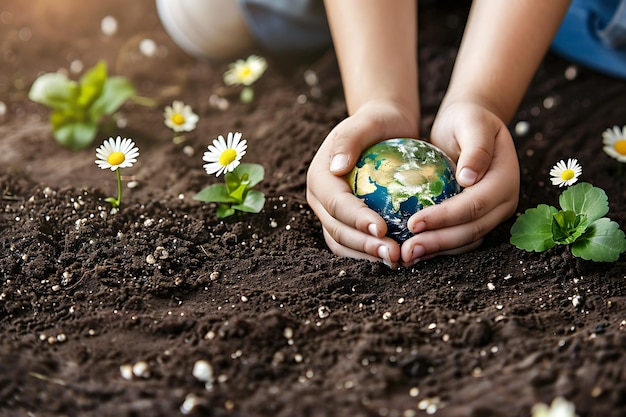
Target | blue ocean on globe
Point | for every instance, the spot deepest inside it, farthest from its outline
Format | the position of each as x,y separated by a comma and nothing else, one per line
398,177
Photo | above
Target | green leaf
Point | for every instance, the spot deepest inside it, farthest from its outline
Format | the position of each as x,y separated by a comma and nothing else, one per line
568,226
115,92
238,193
255,173
75,135
54,90
532,231
603,241
224,210
91,84
215,193
113,201
254,202
584,198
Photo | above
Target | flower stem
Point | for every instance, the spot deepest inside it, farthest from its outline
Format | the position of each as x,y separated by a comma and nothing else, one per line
144,101
119,188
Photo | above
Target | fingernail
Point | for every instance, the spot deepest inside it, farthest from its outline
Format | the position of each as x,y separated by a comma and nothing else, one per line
419,227
339,162
383,253
468,176
373,229
417,252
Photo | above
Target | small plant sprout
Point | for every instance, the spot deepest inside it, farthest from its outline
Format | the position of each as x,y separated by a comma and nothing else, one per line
563,174
245,72
236,193
579,223
180,118
614,141
115,154
79,107
560,407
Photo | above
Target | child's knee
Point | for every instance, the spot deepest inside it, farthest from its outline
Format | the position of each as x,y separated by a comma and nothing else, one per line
213,29
224,29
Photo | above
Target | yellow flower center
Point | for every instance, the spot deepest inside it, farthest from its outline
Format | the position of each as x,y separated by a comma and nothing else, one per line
228,156
245,72
116,158
178,119
620,146
568,174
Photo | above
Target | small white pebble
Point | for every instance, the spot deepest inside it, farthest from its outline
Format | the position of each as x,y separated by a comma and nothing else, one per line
549,102
3,108
203,372
189,150
127,372
76,66
386,315
148,47
576,300
141,369
150,260
288,333
522,128
189,404
491,286
310,78
323,312
108,25
571,72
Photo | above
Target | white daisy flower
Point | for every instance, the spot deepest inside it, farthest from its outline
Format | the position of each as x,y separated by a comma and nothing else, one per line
564,174
117,153
560,407
224,155
245,72
179,117
614,141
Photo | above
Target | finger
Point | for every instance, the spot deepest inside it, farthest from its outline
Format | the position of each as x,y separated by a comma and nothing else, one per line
456,251
451,238
345,251
477,151
499,186
332,195
340,237
353,135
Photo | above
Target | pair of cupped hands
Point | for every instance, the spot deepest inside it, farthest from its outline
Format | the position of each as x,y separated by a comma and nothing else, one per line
487,169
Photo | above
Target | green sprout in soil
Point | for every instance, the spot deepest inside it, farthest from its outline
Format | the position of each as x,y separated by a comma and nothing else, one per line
115,154
236,193
614,141
180,118
245,72
579,223
79,107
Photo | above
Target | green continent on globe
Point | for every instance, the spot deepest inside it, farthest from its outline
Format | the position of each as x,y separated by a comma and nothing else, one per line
398,177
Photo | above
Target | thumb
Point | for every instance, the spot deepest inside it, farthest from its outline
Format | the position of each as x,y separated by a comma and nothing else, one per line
475,158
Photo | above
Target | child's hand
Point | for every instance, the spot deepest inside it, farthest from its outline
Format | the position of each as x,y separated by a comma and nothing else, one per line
487,167
350,228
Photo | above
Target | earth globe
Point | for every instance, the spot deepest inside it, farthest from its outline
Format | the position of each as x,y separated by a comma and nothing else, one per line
398,177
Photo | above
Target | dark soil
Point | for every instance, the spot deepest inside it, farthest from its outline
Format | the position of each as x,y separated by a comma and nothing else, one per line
289,328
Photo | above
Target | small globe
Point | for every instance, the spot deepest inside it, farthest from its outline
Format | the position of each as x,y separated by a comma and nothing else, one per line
398,177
